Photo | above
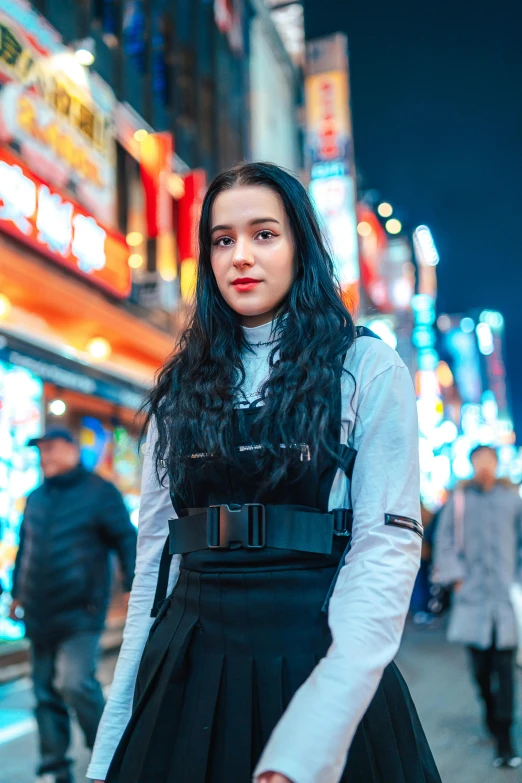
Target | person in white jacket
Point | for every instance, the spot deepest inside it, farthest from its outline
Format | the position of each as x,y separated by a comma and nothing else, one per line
285,440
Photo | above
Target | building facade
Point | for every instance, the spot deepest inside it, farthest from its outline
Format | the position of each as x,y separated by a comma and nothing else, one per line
113,116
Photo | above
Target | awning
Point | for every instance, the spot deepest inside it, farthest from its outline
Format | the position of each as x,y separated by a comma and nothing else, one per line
69,373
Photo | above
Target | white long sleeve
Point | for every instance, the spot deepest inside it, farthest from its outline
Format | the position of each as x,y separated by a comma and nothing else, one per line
155,511
371,598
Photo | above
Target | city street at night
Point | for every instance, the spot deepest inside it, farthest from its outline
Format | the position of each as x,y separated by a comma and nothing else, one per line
260,391
436,673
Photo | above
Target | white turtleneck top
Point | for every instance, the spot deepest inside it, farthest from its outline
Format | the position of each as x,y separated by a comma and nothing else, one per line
371,597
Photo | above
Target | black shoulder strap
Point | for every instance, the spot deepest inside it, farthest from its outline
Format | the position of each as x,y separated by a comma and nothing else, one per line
363,331
163,579
347,460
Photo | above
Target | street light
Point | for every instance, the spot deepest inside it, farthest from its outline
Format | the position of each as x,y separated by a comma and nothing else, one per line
364,229
5,306
385,210
99,348
393,226
425,249
134,238
135,261
84,51
57,407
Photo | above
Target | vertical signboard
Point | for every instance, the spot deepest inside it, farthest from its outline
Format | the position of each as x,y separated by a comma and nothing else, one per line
330,153
54,113
189,210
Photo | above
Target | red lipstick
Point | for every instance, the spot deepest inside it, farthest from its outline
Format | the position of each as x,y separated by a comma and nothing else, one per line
244,284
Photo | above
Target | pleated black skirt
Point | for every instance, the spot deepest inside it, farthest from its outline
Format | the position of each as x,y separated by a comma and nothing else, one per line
224,657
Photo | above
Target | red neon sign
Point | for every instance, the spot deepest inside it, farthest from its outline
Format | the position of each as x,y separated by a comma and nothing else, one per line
60,229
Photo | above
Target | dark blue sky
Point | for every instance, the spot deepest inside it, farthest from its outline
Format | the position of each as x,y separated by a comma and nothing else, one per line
437,113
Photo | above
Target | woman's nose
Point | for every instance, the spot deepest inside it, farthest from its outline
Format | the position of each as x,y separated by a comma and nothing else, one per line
243,255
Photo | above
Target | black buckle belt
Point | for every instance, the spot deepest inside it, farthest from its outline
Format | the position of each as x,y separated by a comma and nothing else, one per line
254,526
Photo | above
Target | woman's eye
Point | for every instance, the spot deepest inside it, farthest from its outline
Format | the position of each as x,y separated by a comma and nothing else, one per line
265,234
223,241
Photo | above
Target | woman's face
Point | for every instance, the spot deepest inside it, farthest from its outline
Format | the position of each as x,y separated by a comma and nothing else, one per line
252,252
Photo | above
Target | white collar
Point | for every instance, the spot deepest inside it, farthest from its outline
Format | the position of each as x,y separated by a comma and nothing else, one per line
260,335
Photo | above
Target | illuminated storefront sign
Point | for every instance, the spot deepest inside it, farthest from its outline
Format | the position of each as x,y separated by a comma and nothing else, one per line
54,112
490,331
329,145
427,260
387,274
21,408
189,207
60,228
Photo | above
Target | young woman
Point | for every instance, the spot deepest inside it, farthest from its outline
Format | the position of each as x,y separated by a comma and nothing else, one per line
271,656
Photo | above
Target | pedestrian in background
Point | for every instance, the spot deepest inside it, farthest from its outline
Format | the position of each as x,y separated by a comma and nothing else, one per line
478,550
62,581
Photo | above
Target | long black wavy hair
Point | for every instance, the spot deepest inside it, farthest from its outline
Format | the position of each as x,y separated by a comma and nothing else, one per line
193,400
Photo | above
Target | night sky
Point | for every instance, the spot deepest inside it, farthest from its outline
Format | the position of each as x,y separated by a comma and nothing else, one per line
437,114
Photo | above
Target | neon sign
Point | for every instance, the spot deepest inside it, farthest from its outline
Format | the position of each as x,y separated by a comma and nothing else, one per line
54,112
60,229
329,143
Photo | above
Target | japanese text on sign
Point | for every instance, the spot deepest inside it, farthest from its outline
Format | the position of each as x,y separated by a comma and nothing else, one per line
60,229
57,227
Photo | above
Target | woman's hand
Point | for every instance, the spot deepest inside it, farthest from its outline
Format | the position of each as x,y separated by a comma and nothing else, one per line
273,777
98,781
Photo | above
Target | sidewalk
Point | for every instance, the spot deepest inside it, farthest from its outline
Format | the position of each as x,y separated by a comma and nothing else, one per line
14,656
18,740
436,673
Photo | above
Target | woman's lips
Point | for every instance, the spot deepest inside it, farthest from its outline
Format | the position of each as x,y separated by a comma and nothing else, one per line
246,285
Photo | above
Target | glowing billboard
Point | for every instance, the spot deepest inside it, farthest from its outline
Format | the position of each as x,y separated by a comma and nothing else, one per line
330,152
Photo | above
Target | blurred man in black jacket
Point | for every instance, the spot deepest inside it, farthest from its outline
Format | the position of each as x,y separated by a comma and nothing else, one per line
62,581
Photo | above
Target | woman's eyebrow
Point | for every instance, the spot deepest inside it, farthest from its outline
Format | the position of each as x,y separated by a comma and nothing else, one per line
254,222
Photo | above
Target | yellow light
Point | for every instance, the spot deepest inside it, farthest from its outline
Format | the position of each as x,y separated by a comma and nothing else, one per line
141,134
84,57
5,306
176,186
187,279
168,274
57,407
134,238
135,261
99,348
444,375
364,229
166,256
393,226
385,210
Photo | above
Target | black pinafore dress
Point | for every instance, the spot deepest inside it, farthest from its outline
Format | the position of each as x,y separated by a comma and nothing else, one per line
243,629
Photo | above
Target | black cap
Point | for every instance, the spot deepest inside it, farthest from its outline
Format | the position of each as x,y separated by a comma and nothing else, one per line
55,433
